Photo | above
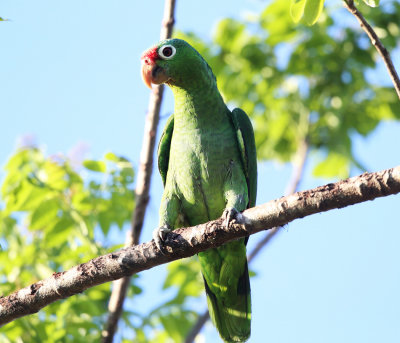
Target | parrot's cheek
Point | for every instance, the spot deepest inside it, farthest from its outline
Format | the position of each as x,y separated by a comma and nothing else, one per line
153,74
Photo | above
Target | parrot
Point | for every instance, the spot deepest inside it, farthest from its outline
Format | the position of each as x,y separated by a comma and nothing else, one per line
208,165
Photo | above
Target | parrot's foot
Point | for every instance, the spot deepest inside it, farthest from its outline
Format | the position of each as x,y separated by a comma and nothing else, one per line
159,237
230,215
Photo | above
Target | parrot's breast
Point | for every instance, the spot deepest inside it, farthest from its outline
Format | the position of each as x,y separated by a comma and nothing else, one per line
200,162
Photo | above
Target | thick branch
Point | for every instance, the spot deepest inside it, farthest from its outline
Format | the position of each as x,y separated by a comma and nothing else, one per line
186,242
351,7
120,287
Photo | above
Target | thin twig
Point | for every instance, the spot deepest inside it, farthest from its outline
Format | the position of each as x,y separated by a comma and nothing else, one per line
189,241
376,42
294,182
120,286
293,185
197,327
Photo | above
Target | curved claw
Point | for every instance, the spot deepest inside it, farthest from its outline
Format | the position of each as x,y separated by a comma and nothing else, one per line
159,235
231,214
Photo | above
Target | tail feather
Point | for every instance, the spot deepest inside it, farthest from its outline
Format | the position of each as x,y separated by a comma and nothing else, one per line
232,320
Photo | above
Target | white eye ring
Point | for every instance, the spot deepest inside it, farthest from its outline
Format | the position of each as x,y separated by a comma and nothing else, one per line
170,52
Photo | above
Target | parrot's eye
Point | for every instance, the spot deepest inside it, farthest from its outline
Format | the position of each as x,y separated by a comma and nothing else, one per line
167,51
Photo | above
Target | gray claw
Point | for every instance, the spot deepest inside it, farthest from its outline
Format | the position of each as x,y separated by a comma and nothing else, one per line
231,214
159,236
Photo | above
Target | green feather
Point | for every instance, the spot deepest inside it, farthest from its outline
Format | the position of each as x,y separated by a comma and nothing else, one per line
247,148
163,148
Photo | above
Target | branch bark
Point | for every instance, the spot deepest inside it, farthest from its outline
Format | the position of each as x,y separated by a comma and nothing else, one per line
120,286
186,242
376,42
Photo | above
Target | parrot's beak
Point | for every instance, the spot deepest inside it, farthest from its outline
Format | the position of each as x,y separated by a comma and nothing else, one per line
152,73
146,73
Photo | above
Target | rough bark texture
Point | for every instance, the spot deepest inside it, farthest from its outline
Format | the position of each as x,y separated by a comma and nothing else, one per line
186,242
120,286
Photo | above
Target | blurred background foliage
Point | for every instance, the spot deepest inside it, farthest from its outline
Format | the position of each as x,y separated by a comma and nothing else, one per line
297,83
50,212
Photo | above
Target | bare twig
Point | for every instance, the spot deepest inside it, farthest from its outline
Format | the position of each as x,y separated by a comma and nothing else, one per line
294,182
197,327
186,242
351,7
298,168
299,163
143,184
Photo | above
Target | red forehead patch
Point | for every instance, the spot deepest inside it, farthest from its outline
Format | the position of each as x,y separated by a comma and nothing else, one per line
150,55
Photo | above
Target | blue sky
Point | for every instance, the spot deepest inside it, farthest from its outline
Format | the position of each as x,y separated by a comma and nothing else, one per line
70,73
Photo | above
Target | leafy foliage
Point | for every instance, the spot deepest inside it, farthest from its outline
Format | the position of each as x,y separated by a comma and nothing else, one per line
50,223
172,320
302,83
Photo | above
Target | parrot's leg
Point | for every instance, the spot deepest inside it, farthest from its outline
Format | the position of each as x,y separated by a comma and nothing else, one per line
169,212
159,235
236,194
231,214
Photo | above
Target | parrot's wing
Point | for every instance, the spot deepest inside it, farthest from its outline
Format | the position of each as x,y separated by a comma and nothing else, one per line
247,146
164,147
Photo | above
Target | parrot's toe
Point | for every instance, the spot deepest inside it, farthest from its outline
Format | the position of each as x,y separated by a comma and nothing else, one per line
231,214
159,235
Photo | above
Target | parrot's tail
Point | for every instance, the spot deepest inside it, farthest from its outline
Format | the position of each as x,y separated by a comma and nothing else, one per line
232,315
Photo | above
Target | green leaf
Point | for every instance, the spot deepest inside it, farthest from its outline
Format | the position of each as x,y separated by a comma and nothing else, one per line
60,232
44,214
98,166
334,165
306,11
297,9
372,3
312,11
110,156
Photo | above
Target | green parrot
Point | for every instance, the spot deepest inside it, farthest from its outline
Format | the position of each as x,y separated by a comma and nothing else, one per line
207,162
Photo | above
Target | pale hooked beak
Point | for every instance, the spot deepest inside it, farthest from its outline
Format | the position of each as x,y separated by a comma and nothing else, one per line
146,73
152,73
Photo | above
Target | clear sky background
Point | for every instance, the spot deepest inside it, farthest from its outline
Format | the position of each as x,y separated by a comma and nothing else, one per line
70,75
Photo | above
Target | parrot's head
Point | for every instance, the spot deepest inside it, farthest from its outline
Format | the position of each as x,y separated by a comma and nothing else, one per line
176,63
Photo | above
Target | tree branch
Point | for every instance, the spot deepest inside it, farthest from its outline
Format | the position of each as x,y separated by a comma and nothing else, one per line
120,287
351,7
186,242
